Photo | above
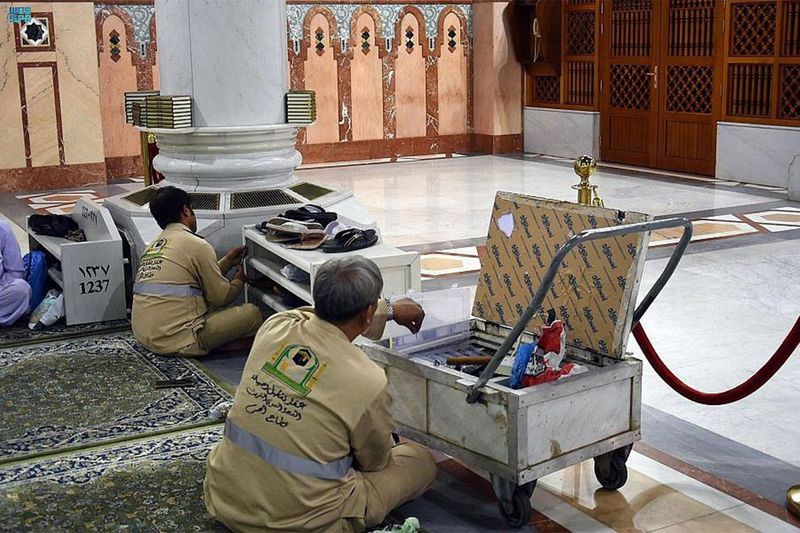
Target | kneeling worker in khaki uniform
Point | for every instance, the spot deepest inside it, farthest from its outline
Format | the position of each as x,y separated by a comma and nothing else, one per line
308,443
179,278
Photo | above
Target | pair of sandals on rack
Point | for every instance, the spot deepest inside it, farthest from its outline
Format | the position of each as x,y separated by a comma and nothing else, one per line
311,227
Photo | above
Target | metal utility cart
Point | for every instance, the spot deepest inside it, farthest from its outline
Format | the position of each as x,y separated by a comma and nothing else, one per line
593,258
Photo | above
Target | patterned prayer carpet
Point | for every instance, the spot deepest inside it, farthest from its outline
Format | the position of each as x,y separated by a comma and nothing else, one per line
19,335
153,484
84,392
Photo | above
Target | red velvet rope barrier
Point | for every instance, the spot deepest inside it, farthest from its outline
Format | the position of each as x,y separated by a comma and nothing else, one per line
720,398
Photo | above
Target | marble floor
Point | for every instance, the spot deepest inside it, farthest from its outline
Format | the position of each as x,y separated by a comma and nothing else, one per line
731,302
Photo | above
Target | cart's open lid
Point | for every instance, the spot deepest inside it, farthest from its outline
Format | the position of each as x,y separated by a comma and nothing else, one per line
594,292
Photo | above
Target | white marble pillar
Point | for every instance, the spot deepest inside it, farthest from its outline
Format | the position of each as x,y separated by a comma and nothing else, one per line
231,58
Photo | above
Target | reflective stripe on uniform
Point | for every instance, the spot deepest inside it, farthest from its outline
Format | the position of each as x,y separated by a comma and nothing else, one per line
166,289
284,460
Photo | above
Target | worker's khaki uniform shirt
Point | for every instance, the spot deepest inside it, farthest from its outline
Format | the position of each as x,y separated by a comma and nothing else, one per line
335,403
167,324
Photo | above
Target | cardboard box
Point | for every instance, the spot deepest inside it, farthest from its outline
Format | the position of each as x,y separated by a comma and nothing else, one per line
594,292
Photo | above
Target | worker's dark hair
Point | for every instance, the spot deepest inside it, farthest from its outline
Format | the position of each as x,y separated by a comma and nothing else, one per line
168,203
344,288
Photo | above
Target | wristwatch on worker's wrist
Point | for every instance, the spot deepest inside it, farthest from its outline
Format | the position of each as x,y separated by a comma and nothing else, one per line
389,310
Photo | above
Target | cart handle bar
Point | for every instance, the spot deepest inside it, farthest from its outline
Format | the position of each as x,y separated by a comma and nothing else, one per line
474,392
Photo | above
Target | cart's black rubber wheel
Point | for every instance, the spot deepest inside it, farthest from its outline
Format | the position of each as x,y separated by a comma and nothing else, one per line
517,512
610,468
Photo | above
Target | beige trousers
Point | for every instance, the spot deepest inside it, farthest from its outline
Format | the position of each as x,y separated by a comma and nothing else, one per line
409,475
222,327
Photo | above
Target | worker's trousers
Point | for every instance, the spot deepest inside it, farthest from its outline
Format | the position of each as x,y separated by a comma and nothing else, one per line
410,473
222,327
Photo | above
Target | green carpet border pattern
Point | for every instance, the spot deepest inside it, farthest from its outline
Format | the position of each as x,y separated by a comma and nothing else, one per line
159,419
15,336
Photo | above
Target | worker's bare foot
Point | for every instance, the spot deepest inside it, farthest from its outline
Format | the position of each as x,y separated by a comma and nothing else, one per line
239,345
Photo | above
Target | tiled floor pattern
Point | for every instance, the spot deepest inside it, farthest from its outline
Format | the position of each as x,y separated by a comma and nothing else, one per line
59,203
460,261
656,497
62,202
726,226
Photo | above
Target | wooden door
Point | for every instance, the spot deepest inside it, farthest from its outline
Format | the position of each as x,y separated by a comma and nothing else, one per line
689,104
660,98
628,95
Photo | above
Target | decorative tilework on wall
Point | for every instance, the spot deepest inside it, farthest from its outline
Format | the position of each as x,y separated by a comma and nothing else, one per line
388,15
141,16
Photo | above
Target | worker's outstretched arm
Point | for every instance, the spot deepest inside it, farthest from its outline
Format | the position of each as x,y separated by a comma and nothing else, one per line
218,291
406,313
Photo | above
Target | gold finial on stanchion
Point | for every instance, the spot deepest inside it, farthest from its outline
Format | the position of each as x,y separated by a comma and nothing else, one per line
584,167
793,499
144,140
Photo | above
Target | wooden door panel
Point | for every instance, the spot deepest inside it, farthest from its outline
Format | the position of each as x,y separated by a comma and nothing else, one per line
628,107
661,100
690,104
630,135
688,140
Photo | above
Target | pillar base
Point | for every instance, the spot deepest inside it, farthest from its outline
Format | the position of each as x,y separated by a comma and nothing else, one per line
228,158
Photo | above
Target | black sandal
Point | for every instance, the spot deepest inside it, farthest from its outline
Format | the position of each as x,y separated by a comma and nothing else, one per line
311,213
351,240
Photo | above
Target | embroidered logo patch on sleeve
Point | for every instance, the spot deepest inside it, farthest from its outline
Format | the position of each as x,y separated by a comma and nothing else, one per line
297,367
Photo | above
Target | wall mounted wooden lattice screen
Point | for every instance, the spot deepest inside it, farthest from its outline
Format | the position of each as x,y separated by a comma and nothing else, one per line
577,86
762,61
754,67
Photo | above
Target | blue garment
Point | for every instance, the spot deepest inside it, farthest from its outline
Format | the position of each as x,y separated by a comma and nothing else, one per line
36,275
15,292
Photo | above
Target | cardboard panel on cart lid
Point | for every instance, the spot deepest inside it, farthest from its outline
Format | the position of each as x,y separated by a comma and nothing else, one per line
594,291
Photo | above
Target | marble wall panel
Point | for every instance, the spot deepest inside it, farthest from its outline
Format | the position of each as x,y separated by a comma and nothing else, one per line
756,153
396,94
452,82
410,82
366,73
410,79
12,143
498,98
116,77
40,107
562,132
78,83
321,77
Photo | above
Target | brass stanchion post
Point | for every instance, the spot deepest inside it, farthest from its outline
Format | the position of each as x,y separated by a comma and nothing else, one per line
584,167
144,139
